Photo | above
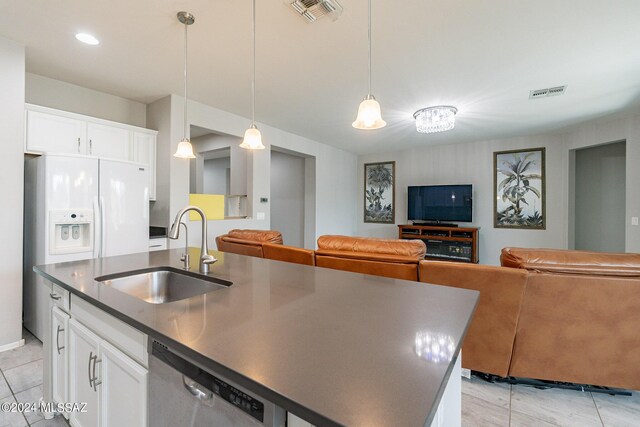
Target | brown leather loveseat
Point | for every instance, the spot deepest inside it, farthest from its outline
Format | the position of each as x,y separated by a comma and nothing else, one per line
247,242
380,257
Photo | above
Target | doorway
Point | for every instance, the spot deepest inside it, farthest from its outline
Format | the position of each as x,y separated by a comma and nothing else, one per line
293,196
600,197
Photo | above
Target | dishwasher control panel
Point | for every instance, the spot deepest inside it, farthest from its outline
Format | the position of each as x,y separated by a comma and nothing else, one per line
241,400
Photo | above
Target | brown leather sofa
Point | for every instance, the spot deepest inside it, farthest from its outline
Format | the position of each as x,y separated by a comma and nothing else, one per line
580,317
380,257
489,341
288,254
247,242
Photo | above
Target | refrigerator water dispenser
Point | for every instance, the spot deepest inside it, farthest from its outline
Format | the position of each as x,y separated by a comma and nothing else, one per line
71,231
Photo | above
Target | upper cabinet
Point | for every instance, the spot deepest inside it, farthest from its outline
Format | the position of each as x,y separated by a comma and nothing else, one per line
54,131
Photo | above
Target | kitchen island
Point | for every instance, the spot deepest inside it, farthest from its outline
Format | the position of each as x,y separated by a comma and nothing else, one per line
332,347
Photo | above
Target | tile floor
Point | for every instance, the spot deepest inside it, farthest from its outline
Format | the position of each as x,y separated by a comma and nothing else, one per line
483,404
21,381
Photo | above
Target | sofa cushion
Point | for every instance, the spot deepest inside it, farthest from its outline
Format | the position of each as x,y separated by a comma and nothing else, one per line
288,254
267,236
560,261
399,247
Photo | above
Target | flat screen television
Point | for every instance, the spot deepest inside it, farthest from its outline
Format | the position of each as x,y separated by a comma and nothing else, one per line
436,203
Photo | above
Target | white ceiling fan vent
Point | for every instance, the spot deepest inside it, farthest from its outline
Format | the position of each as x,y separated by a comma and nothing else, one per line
550,91
311,10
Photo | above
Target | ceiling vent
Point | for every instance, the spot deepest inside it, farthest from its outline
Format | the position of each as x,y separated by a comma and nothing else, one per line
551,91
311,10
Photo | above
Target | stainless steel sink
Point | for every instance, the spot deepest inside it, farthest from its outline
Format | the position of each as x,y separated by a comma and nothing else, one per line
161,285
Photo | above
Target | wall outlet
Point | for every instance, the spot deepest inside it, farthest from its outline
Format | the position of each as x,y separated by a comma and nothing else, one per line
634,220
261,215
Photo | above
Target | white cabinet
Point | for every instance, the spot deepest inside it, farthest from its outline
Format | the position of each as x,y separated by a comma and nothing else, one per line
84,348
123,389
54,131
144,151
59,355
108,141
113,385
55,134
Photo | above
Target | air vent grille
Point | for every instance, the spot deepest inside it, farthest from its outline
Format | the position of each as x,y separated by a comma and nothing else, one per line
550,91
311,10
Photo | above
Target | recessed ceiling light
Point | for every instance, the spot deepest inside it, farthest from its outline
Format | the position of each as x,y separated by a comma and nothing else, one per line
87,38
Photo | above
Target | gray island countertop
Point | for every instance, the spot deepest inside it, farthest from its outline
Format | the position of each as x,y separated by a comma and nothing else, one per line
333,347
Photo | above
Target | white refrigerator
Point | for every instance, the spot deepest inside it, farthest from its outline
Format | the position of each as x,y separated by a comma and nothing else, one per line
78,207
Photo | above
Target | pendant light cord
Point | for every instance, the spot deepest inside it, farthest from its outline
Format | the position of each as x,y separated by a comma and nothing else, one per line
253,82
185,79
369,47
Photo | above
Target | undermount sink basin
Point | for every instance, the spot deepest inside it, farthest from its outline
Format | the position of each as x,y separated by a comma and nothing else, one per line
162,285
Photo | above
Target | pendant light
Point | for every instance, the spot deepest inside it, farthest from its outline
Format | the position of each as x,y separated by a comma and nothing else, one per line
185,149
252,137
369,115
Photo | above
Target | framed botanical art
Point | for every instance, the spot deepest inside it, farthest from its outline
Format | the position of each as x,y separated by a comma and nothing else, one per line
519,189
380,192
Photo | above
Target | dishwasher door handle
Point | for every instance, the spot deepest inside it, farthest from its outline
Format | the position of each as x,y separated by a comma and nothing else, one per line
196,390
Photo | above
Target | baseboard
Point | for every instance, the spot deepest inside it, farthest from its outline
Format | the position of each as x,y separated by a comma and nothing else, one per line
11,346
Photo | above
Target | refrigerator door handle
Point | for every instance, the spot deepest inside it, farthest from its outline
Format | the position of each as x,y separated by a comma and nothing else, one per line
97,228
102,221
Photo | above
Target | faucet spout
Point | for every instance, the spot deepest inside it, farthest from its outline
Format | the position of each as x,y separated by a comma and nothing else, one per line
174,233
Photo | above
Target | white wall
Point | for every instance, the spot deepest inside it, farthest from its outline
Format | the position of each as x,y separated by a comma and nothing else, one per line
335,171
214,175
600,198
64,96
472,163
11,190
287,197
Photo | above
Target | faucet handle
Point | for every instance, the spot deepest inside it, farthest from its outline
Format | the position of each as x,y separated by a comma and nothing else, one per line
208,259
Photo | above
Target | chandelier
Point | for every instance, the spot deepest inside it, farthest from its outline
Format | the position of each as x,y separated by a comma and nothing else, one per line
435,119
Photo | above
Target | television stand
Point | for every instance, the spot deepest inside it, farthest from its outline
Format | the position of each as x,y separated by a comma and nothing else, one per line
435,224
445,243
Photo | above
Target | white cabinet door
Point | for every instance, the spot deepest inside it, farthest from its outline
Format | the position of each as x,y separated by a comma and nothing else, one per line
108,141
144,151
48,133
84,347
59,350
124,389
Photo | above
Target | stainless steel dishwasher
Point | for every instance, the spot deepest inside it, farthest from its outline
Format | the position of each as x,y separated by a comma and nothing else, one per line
183,394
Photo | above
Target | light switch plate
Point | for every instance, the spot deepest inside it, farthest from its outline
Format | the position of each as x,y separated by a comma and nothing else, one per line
634,220
261,215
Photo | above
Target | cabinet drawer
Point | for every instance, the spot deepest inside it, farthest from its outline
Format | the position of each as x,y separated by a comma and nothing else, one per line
129,340
60,297
157,244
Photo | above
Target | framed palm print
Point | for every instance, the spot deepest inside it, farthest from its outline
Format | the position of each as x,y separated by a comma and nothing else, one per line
380,192
519,189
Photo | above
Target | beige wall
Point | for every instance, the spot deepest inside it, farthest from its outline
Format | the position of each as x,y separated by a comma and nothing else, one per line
11,190
472,163
64,96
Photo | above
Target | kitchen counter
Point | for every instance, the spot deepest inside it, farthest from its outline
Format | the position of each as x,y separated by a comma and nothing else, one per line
333,347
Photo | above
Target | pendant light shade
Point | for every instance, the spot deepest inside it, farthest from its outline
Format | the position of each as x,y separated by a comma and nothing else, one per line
185,149
252,136
252,139
369,114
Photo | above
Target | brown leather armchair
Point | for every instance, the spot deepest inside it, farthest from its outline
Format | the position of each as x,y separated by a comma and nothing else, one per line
288,254
580,317
380,257
489,341
247,242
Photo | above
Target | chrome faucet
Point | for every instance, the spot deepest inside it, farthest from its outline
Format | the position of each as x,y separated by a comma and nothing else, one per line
185,255
174,233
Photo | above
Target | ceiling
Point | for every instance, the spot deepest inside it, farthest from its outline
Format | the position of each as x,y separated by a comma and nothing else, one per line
481,56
